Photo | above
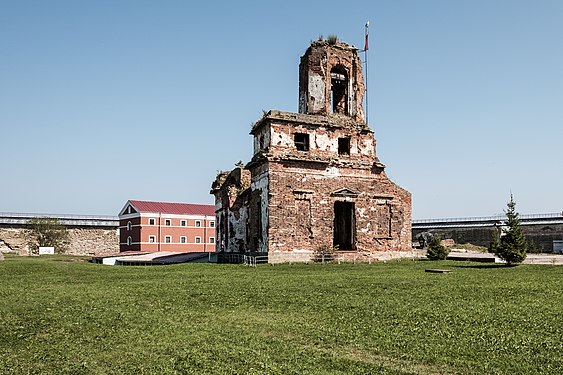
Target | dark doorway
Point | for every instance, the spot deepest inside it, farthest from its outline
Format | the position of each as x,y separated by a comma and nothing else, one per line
344,226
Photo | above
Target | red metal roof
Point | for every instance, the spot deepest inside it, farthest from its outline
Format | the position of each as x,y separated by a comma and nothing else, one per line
174,208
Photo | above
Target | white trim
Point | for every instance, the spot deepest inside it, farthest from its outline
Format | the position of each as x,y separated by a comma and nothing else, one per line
179,226
128,216
173,216
125,226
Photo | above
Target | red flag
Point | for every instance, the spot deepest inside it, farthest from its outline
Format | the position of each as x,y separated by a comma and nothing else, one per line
366,46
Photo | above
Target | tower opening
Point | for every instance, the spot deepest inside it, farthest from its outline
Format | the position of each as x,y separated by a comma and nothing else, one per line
339,90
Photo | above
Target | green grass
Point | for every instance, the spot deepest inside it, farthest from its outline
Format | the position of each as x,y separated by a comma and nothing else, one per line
61,317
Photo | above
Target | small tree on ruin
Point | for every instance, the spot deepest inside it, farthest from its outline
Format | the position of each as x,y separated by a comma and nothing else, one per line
512,245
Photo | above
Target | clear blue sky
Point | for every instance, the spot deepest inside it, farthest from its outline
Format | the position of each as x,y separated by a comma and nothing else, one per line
104,101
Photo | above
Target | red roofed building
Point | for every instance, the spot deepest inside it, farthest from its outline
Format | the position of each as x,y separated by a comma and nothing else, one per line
164,226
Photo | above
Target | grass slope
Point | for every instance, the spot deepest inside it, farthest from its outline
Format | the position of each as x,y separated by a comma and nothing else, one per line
80,318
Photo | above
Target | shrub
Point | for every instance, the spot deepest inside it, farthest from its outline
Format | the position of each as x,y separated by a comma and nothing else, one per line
437,251
44,231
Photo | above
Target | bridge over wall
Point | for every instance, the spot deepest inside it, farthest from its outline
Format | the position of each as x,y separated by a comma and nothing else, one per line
88,234
541,230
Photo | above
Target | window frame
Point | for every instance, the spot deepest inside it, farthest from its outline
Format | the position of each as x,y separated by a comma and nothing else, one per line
167,239
301,144
344,146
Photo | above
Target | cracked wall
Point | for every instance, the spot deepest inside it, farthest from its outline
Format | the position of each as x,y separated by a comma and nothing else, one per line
314,179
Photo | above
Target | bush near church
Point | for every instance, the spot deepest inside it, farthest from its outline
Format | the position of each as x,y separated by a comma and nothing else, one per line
437,251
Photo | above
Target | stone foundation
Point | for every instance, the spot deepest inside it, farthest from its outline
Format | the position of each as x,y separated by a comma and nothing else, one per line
304,256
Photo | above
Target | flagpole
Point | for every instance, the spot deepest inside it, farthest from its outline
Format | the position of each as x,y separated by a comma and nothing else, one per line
366,47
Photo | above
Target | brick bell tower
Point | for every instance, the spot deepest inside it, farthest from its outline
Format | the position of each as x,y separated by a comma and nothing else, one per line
314,180
331,81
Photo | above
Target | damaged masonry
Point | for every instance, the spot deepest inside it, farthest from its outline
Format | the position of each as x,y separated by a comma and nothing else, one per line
315,181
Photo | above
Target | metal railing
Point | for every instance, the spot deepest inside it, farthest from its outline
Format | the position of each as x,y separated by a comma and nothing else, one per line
489,218
13,218
247,260
59,216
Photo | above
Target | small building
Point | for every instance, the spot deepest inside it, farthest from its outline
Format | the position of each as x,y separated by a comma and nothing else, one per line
314,181
164,226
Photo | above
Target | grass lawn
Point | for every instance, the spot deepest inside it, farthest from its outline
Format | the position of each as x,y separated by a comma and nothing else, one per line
62,317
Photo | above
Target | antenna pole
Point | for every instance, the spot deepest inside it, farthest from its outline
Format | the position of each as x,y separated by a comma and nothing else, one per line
366,47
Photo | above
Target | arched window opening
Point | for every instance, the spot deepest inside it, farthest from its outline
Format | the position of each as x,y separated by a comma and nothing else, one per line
339,90
129,225
129,241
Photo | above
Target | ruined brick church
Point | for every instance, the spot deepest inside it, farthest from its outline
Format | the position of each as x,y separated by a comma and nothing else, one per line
314,180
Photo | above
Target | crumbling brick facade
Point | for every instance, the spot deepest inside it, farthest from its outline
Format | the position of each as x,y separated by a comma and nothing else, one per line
315,180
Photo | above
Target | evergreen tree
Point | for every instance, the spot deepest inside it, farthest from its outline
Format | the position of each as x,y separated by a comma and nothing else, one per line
512,246
437,251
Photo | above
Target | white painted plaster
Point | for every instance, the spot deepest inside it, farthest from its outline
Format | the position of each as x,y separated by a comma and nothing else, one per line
316,93
326,142
261,184
281,139
367,147
331,172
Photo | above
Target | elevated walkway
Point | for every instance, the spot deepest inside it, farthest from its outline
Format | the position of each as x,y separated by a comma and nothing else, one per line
13,219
